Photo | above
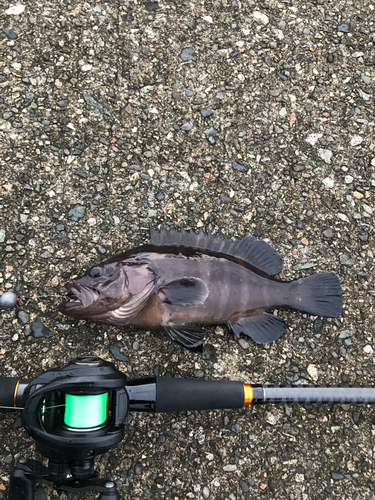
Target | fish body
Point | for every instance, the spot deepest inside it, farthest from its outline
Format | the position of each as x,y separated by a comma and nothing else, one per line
180,280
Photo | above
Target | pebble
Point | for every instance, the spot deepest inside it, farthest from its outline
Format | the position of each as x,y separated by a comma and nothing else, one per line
152,213
366,79
205,492
76,212
318,325
343,28
8,299
313,372
356,416
243,343
244,486
2,235
39,330
206,113
261,18
364,95
328,183
101,249
230,468
211,131
90,101
10,33
345,334
348,179
15,10
209,352
160,197
188,54
327,233
23,317
186,126
356,140
115,350
346,260
368,349
237,165
336,476
325,154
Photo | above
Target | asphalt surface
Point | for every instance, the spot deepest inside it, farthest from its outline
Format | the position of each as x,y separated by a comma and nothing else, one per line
105,127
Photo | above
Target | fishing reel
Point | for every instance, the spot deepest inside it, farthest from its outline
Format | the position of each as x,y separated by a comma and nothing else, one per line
74,414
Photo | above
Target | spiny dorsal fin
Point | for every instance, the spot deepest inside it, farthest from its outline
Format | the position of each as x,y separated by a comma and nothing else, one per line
255,252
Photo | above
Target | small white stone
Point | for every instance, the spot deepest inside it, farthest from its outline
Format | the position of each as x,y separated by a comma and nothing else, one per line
279,34
2,235
15,10
23,218
313,372
86,67
205,492
91,221
343,217
230,468
325,154
313,138
328,183
283,112
261,18
208,19
356,140
368,349
271,419
367,209
243,343
348,179
15,337
116,220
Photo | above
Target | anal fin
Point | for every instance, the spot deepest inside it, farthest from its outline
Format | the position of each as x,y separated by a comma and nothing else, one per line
263,328
188,336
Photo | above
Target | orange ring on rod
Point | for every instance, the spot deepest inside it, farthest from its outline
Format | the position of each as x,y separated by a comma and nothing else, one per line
248,394
15,393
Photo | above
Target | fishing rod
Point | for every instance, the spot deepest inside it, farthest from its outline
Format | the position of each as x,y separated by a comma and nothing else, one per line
77,412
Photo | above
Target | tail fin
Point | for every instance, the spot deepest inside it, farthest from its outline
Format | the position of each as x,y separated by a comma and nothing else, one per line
319,294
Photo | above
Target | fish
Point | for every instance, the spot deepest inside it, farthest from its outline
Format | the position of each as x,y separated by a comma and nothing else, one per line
180,280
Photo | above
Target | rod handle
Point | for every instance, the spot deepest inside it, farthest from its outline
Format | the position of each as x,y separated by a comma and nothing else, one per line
177,394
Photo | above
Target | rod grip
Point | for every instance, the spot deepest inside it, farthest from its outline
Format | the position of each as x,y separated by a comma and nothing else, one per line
8,386
177,394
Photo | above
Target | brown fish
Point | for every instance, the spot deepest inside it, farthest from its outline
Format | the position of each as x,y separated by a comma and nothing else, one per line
180,280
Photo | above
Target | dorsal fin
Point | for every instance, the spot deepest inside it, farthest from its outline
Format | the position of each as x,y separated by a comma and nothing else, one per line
253,251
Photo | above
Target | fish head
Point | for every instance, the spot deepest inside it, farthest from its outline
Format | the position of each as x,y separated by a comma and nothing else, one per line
97,291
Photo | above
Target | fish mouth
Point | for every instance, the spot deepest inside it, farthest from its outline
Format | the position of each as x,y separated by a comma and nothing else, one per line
81,296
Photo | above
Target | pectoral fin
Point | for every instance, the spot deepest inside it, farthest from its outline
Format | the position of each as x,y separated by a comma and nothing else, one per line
263,328
188,336
186,291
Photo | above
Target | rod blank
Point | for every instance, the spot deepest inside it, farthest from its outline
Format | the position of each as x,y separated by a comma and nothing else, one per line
309,394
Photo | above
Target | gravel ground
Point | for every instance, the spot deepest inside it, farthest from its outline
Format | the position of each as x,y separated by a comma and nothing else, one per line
242,118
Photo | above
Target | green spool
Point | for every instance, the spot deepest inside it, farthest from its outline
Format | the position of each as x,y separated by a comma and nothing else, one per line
85,412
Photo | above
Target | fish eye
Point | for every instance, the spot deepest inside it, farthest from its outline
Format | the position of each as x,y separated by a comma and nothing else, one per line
96,272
